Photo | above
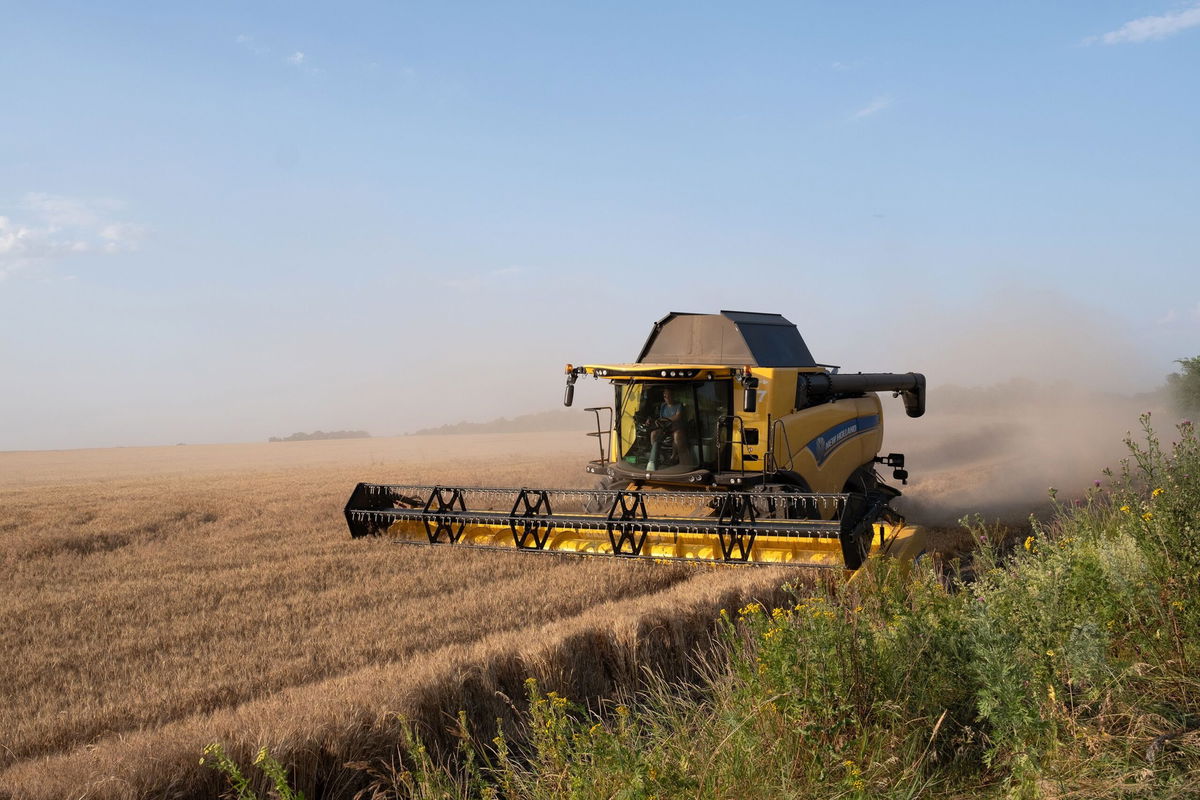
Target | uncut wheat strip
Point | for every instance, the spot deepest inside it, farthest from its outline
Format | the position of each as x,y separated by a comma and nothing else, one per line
319,727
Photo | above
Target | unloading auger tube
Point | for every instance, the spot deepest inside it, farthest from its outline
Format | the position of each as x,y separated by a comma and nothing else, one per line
909,385
739,528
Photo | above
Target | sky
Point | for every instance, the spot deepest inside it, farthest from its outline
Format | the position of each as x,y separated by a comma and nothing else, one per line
225,221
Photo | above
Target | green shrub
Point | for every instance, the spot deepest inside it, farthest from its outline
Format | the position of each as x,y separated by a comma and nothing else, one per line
1184,386
242,787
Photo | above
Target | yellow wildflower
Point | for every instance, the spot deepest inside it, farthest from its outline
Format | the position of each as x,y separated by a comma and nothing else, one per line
1050,693
1050,653
1029,543
1156,492
1148,516
1126,509
261,757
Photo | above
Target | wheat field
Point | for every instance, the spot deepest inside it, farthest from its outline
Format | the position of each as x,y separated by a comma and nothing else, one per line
158,599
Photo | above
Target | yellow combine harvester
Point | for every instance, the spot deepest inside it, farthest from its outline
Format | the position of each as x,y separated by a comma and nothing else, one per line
727,443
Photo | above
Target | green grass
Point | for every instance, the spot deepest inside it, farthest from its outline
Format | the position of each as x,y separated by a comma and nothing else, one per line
1068,667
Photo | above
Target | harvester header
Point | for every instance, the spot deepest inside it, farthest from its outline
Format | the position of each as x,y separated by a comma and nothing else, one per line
726,442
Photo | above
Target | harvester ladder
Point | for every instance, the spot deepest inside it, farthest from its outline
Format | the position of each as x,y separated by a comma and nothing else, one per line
602,431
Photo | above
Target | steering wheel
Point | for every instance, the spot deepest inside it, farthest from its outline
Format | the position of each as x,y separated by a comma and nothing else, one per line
647,425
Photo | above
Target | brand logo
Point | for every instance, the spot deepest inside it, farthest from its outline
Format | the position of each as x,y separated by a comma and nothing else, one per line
823,446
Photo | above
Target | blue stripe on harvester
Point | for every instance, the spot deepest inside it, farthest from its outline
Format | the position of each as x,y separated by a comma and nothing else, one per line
824,445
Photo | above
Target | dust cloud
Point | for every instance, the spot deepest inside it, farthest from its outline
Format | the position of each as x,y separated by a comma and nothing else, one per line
1027,391
997,451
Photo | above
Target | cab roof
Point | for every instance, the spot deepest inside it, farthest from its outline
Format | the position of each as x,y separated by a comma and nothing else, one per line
731,338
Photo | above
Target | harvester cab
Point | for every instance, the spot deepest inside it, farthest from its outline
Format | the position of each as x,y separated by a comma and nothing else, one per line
726,442
754,409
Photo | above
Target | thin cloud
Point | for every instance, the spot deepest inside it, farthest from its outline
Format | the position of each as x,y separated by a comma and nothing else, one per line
872,108
299,60
51,227
61,211
247,41
1148,29
1173,319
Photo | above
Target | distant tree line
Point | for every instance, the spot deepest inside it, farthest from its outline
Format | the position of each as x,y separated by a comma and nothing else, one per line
308,437
1184,385
557,420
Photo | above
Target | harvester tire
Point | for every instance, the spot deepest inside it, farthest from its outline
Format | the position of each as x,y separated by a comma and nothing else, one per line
594,505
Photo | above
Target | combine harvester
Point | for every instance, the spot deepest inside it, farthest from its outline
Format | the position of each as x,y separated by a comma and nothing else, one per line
727,443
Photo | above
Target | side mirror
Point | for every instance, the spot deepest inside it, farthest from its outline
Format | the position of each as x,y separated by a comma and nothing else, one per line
750,398
569,395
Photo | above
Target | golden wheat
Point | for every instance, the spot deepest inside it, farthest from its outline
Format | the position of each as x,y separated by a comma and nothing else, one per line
161,598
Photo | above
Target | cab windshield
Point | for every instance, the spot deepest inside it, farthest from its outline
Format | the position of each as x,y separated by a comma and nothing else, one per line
670,425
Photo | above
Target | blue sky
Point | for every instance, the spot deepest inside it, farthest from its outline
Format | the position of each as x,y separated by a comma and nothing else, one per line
224,221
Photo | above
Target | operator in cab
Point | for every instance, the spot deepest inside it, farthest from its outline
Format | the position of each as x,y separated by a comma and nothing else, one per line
670,419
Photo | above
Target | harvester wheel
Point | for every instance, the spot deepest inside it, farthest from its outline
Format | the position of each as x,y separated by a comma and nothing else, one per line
862,481
779,506
596,505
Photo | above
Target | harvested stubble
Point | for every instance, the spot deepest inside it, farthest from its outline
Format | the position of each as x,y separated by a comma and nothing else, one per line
218,597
